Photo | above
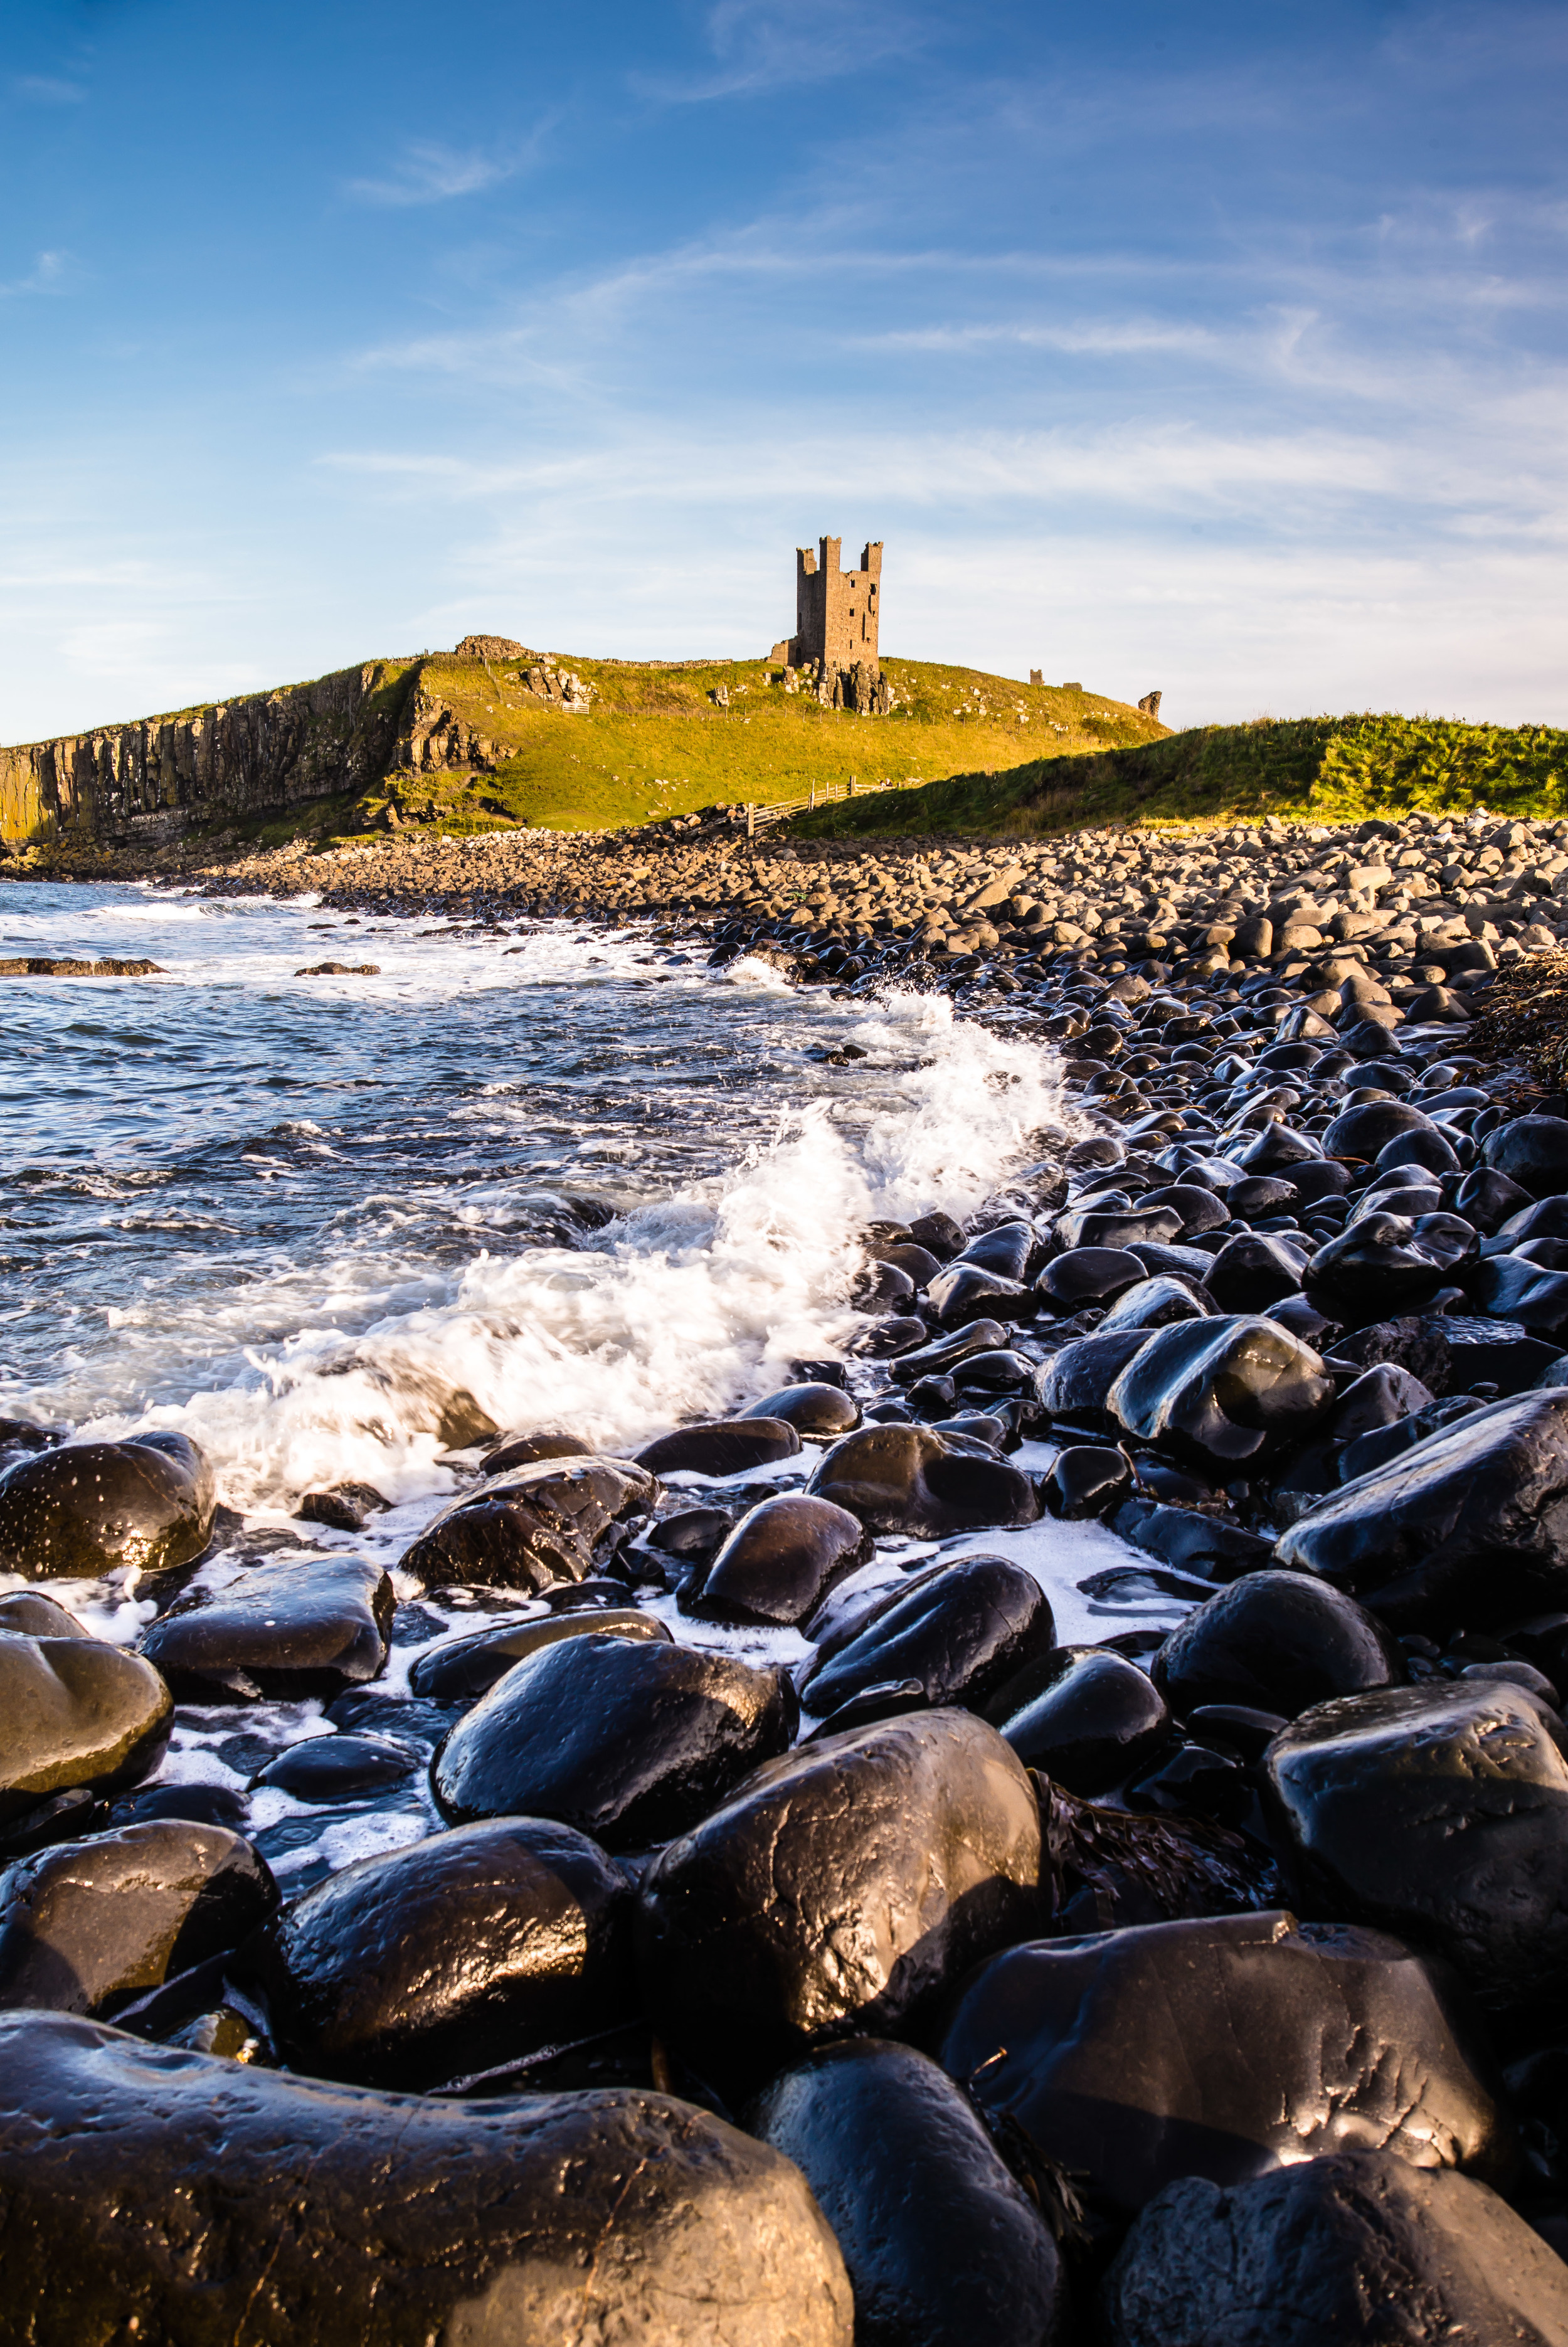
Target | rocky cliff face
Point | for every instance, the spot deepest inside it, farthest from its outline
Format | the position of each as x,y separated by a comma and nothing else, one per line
154,778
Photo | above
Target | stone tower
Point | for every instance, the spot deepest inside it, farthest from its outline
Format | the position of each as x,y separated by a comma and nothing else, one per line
835,611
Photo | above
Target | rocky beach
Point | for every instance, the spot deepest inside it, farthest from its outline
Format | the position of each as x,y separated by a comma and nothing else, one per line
1009,1783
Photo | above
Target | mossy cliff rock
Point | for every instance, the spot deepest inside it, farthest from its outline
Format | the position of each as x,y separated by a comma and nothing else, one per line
154,777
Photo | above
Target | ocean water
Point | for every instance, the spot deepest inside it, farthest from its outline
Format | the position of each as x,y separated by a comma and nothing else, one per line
575,1176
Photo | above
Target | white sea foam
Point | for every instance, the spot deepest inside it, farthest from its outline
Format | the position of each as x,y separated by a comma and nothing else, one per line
687,1306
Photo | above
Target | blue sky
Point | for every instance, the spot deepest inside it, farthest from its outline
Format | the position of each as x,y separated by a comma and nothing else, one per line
1218,348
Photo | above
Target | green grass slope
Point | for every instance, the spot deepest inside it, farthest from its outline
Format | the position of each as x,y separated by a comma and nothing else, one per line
654,742
1327,769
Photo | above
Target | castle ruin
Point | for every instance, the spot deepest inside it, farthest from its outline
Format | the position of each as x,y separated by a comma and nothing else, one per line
836,614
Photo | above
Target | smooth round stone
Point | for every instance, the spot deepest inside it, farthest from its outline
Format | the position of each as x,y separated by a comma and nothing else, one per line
883,2138
75,1713
1199,1209
843,1887
1087,1478
1546,1220
818,1414
1468,1529
525,1450
782,1560
472,1661
1358,2246
534,1525
1112,1228
1382,1396
1013,1250
1532,1151
945,1353
1381,1266
1154,1304
881,1287
629,1740
1075,1382
340,2216
1254,1271
723,1447
194,1805
1366,1130
91,1508
1434,1811
90,1926
462,1953
1428,1151
30,1615
959,1631
968,1291
1089,1726
918,1261
1222,1390
1224,2047
283,1630
909,1479
326,1769
1090,1275
1277,1149
1260,1194
1275,1642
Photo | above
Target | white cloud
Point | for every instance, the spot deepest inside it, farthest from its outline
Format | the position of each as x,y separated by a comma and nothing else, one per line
427,173
759,46
48,275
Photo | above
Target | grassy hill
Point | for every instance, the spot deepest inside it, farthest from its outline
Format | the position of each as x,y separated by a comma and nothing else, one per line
654,742
1328,769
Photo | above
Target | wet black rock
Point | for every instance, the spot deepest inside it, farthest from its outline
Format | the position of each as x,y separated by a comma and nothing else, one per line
74,1712
885,2140
839,1890
196,1805
1222,2048
460,1954
959,1632
1090,1275
535,1524
1487,1199
470,1662
81,1511
1075,1383
197,2198
940,1358
31,1615
782,1560
965,1292
1199,1209
1467,1529
1256,1194
1364,1130
730,1446
1254,1271
525,1448
1275,1642
346,1508
1085,1716
1014,1249
1385,1264
910,1480
1356,2247
89,1926
1513,1287
1191,1539
1222,1390
1154,1304
629,1740
285,1629
1087,1478
818,1414
1532,1151
1437,1811
327,1769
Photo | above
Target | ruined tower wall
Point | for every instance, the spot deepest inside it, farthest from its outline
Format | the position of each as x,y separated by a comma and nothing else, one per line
837,612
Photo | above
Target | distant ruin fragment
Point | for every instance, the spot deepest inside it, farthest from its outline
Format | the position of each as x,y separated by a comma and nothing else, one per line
1150,704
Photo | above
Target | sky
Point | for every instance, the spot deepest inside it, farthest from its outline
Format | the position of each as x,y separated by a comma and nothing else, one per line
1216,348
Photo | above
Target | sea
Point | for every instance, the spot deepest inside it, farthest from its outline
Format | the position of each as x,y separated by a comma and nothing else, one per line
541,1174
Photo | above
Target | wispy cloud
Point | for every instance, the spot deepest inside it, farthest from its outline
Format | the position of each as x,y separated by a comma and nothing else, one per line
47,89
48,275
427,173
759,46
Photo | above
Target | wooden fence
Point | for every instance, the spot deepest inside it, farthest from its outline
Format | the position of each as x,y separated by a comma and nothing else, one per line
822,795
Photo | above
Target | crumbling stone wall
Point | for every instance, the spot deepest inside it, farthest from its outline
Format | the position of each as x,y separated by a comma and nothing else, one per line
837,612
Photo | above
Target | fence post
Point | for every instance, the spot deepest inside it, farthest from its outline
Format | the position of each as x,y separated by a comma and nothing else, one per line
852,787
750,820
814,794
